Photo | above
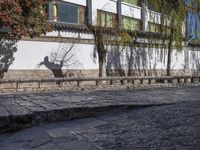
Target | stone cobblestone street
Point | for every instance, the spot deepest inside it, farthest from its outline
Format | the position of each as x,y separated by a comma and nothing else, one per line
175,125
170,127
23,110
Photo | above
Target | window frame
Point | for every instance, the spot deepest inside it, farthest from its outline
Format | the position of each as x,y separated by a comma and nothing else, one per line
106,14
133,19
157,29
56,15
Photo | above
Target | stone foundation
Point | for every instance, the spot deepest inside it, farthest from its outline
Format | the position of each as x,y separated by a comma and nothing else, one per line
45,74
154,72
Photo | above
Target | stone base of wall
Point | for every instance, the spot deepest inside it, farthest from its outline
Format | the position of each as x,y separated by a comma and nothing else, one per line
152,72
41,74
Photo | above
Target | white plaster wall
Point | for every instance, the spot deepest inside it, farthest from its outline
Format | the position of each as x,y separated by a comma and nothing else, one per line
145,58
178,59
157,58
79,2
29,54
131,11
69,34
194,60
52,33
154,17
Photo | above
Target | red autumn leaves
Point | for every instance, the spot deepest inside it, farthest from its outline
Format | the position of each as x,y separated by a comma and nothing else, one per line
24,17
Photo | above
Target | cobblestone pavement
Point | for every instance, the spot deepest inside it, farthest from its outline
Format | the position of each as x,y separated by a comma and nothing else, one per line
14,104
167,127
23,110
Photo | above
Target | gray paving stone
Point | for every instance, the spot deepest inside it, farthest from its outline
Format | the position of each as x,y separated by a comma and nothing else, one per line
90,123
68,125
57,106
3,112
60,132
76,145
42,144
65,145
15,146
167,127
28,135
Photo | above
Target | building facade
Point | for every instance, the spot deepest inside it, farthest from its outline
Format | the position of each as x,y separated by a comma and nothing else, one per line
69,50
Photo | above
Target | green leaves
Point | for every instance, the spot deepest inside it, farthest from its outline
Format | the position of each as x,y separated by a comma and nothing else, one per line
177,11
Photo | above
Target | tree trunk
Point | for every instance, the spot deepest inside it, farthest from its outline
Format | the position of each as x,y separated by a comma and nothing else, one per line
99,42
102,57
169,59
170,46
102,65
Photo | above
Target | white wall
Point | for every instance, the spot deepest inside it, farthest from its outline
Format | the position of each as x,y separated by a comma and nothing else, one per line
69,34
29,54
145,58
154,17
131,11
194,59
79,2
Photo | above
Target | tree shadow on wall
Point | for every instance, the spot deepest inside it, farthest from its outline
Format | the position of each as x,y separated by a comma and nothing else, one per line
144,60
134,61
137,61
63,57
115,62
7,50
54,67
195,59
127,61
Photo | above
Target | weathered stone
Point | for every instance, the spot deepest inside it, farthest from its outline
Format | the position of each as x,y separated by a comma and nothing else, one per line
23,110
166,127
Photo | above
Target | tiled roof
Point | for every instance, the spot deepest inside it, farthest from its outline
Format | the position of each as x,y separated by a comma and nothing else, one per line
69,27
61,26
194,44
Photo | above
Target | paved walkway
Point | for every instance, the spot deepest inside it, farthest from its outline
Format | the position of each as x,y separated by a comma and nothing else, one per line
24,110
167,127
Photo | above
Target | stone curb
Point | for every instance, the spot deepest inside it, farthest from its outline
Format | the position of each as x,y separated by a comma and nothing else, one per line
14,123
100,87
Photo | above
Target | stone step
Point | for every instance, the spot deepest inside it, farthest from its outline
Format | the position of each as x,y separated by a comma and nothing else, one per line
19,121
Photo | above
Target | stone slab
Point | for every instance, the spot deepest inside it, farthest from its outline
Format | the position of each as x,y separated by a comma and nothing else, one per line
18,111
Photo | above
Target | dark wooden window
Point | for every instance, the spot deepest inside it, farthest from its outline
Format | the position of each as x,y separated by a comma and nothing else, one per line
154,27
131,23
106,19
68,12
